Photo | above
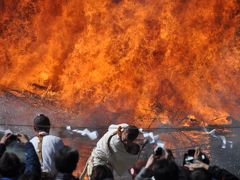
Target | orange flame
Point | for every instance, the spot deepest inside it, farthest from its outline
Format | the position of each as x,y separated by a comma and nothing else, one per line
152,59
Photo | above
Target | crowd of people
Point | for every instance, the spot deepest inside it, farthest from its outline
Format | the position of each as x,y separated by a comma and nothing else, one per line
116,153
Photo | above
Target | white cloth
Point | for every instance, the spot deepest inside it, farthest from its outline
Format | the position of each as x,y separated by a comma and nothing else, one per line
50,145
118,158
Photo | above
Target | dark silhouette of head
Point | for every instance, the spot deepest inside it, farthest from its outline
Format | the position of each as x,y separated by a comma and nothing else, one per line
10,165
130,133
66,160
200,174
30,176
42,123
101,172
165,169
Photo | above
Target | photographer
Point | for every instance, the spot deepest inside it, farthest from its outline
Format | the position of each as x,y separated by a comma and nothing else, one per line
214,171
195,154
200,167
159,166
10,165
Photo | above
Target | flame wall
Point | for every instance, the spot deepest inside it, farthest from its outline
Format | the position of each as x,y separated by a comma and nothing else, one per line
148,58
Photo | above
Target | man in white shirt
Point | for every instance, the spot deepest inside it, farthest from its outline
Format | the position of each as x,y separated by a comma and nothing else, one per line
116,149
45,145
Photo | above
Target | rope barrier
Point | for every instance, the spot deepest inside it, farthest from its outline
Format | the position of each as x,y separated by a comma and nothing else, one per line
191,128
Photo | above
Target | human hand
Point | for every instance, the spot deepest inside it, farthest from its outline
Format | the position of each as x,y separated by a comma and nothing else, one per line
123,135
197,152
119,131
197,164
5,138
23,138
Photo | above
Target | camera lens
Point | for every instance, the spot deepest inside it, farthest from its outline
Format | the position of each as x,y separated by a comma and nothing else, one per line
158,151
11,139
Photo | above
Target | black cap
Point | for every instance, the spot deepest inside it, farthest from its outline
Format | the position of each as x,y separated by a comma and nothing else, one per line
41,121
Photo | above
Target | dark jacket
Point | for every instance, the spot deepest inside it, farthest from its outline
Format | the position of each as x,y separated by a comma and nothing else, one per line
2,149
61,176
221,174
32,164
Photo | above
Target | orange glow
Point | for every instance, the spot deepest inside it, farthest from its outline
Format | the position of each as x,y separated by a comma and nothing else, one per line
153,59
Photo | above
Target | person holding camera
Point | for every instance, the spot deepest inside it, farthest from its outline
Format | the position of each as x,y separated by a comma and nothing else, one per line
160,165
10,165
200,167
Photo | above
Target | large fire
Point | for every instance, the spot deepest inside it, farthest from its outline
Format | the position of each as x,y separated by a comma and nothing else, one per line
143,59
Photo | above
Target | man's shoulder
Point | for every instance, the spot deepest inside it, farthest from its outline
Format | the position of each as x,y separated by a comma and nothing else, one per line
52,141
47,138
52,138
34,139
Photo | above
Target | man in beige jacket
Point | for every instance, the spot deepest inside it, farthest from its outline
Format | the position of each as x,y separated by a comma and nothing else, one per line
116,149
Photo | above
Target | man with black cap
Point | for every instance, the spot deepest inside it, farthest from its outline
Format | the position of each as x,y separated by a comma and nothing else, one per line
45,145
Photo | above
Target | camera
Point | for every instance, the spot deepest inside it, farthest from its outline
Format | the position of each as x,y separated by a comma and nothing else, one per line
158,151
11,139
189,157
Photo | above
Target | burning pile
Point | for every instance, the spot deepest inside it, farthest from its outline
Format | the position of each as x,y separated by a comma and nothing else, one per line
141,59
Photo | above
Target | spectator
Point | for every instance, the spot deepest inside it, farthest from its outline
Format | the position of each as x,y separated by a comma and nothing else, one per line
165,169
116,150
45,145
214,171
10,165
200,174
159,167
66,160
30,176
195,154
32,164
